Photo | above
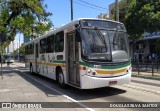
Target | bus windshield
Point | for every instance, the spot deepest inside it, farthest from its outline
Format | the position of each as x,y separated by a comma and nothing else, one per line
104,45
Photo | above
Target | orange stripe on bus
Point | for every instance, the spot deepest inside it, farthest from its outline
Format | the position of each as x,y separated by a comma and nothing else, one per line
111,72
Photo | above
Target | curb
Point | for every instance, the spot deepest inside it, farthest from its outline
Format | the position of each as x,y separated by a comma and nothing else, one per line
134,74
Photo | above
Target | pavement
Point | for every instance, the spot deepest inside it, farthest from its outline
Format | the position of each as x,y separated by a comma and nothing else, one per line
15,88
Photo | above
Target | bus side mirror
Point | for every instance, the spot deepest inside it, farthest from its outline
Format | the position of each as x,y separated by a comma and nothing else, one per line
77,36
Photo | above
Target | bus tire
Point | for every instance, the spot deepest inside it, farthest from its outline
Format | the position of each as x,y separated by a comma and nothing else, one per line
31,69
61,78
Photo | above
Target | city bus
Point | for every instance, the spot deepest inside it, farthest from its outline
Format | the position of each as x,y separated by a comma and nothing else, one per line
85,53
8,57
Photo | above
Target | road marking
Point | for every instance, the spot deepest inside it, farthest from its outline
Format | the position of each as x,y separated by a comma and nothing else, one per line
90,109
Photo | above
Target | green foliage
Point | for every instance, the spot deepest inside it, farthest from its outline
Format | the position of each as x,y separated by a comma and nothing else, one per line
26,16
123,9
143,16
5,44
22,50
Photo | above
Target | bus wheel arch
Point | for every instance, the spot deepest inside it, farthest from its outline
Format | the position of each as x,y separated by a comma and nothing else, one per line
60,77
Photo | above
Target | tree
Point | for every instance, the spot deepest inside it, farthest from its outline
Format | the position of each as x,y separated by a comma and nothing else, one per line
143,16
25,16
22,50
123,9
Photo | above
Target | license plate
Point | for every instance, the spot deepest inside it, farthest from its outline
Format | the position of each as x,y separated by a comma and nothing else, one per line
112,82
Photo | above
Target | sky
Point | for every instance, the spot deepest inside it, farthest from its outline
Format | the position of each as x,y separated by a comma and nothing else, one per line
81,9
61,9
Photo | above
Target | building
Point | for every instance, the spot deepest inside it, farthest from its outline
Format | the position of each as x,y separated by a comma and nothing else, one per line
111,11
12,46
145,47
102,16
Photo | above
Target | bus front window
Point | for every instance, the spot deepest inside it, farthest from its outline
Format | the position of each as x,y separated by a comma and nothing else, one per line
95,45
104,45
119,46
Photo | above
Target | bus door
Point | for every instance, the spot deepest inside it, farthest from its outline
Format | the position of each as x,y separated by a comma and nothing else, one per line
73,59
36,57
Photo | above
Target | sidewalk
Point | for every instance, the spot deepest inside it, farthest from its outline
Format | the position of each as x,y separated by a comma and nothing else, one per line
15,87
146,76
20,64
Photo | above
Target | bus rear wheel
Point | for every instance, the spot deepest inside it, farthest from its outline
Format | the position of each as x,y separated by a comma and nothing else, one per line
61,79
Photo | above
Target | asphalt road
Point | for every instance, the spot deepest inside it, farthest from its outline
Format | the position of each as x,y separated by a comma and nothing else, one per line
96,97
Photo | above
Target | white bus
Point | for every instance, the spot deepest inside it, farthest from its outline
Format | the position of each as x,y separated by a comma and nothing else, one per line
8,57
85,53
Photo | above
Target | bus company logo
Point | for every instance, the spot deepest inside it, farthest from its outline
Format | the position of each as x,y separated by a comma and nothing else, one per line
6,105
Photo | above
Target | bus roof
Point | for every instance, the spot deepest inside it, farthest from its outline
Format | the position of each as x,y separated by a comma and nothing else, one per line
99,19
51,32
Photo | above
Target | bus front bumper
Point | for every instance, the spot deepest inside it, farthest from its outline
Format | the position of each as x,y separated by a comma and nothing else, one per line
90,82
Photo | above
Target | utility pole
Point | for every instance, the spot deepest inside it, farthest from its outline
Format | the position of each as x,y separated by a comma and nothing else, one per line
116,11
71,10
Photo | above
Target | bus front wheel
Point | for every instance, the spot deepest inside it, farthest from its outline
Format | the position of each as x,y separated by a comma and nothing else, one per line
61,79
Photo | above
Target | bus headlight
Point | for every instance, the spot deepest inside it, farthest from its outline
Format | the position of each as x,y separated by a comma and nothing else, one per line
89,71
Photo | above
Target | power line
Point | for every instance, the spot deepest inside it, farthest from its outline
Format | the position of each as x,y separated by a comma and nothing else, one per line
93,5
89,6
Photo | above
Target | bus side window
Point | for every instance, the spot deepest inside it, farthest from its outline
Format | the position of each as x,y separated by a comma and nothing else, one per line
43,45
29,49
50,44
59,42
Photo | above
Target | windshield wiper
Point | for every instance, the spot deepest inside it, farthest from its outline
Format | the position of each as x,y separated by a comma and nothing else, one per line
101,37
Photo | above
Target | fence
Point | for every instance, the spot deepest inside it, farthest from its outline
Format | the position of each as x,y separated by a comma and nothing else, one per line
147,67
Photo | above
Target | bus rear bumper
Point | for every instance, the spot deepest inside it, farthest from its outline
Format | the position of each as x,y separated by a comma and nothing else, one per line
89,82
